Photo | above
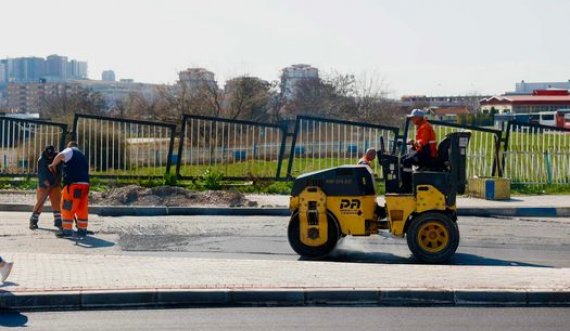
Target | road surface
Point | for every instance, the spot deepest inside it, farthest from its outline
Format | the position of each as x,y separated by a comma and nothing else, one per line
311,318
484,241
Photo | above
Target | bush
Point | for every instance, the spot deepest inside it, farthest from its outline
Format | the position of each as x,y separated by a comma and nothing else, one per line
170,179
212,180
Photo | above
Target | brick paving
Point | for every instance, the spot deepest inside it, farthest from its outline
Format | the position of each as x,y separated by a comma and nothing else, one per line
34,272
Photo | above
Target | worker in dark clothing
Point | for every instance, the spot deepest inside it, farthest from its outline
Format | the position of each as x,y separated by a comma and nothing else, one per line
49,185
75,200
368,158
424,148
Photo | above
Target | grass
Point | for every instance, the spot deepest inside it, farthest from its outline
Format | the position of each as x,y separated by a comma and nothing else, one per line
525,189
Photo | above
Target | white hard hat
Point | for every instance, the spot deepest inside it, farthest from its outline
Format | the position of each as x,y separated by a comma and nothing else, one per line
417,113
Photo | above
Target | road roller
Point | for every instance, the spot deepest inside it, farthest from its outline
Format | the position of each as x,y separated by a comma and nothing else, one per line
333,203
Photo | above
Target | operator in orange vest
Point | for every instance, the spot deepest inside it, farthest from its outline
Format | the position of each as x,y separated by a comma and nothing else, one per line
424,147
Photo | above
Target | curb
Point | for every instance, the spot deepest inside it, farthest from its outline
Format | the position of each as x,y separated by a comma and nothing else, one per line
163,211
246,211
516,212
278,297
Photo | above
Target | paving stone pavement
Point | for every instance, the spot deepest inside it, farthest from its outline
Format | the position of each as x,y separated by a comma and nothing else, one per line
35,272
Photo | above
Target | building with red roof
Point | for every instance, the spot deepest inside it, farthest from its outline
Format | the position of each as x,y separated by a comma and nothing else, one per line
538,101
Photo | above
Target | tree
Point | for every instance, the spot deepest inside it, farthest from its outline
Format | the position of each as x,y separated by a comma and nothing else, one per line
346,96
183,99
276,102
72,99
247,98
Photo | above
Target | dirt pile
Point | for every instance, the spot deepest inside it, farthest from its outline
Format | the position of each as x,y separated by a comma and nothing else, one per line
170,196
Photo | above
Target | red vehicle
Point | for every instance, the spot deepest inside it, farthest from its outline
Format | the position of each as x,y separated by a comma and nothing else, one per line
562,118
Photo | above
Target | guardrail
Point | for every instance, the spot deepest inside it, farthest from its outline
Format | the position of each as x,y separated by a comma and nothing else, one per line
320,143
23,140
125,148
526,153
537,154
239,149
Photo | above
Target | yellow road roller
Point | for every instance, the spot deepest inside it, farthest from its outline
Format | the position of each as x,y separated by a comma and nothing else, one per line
330,204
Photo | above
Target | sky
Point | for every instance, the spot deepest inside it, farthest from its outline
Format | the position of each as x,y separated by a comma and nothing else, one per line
437,47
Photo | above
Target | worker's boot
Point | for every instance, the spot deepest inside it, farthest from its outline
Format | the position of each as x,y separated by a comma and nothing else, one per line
57,219
81,233
34,221
61,233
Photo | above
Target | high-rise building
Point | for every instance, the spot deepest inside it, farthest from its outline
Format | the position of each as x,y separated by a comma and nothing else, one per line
26,69
3,72
196,78
32,69
108,76
294,75
56,67
77,69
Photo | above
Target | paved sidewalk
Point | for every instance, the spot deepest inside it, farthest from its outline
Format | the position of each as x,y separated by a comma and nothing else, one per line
79,281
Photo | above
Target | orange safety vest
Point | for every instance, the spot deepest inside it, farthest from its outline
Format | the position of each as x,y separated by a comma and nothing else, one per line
425,135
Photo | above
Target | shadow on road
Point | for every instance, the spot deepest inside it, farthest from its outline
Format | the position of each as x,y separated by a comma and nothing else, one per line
92,242
477,260
6,284
346,256
13,319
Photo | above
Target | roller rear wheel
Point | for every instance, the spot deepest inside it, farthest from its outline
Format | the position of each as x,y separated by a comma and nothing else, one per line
433,237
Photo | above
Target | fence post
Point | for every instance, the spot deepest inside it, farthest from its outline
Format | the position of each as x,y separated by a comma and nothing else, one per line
75,123
506,145
284,130
292,154
548,165
170,148
64,133
497,169
181,146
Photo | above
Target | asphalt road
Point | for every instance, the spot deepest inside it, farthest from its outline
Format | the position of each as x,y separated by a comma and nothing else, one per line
484,241
312,318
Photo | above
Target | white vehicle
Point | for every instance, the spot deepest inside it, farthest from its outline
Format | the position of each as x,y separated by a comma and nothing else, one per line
547,118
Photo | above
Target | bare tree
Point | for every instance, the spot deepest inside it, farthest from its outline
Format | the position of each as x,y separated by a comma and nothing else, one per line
203,99
247,98
73,99
346,96
473,102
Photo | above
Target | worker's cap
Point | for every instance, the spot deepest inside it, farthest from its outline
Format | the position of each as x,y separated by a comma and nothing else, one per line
417,113
49,149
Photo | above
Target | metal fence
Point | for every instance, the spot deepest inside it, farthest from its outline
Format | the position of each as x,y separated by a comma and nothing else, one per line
320,143
125,148
483,151
238,149
526,153
22,141
537,154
